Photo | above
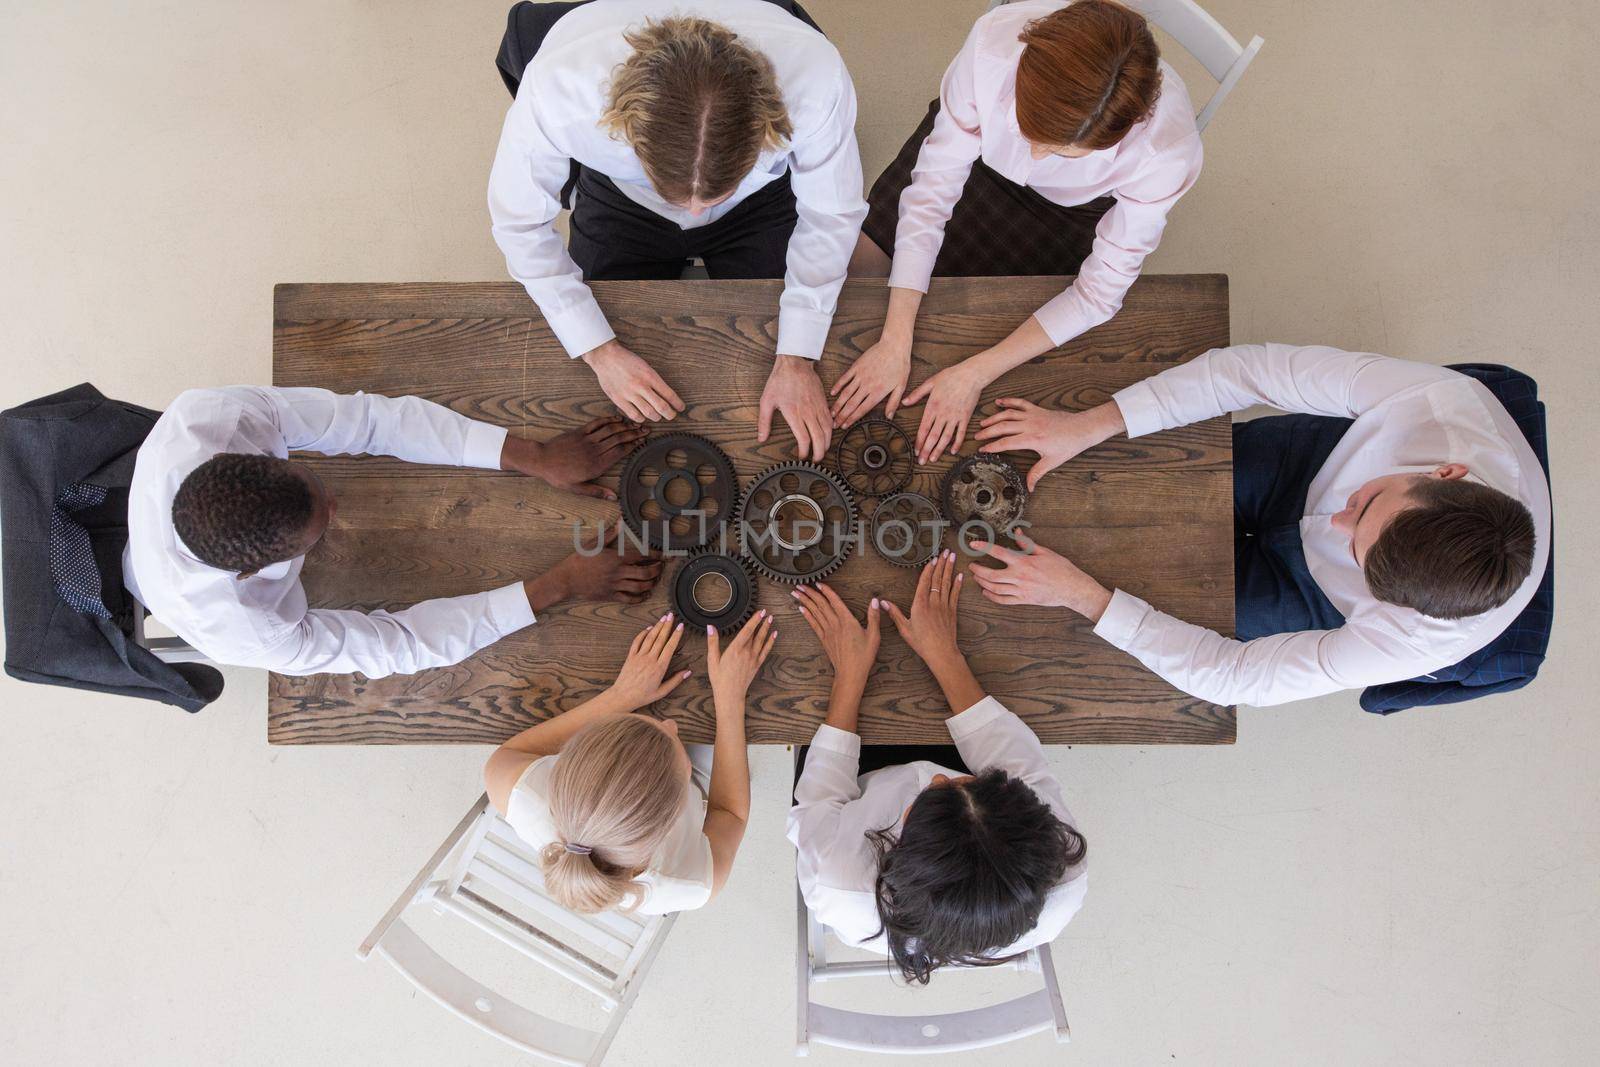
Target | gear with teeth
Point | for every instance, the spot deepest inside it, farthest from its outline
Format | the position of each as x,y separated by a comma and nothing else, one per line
677,491
907,529
714,589
797,523
874,457
984,488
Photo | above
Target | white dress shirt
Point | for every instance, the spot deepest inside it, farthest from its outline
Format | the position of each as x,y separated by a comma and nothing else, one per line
556,118
1409,418
679,875
1147,171
262,620
834,810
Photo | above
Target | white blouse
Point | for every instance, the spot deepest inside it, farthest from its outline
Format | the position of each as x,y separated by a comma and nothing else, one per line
678,878
1147,171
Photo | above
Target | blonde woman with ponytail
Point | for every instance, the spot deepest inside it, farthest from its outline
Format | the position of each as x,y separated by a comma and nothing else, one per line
623,813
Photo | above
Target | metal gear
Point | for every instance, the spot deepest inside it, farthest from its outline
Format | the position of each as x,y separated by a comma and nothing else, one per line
984,488
714,589
677,491
797,522
874,458
907,529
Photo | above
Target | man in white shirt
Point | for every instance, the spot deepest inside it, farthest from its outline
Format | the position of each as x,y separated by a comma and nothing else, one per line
925,860
723,129
1417,541
220,520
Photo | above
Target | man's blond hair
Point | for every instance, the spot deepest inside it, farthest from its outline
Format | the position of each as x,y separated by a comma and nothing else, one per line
697,105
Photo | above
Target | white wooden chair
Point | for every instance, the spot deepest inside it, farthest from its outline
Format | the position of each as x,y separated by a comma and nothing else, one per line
951,1032
1203,37
166,648
485,874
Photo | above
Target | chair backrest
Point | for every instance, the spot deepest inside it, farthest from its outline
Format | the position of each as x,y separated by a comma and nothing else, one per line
957,1031
1202,37
484,874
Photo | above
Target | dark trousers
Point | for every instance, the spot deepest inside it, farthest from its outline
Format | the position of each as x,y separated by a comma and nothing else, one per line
876,757
1274,461
613,238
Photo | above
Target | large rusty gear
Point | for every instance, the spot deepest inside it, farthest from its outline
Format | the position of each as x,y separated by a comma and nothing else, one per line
797,522
713,588
875,458
908,529
677,491
984,488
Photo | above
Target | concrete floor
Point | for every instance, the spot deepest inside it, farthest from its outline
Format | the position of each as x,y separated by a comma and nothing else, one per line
1415,179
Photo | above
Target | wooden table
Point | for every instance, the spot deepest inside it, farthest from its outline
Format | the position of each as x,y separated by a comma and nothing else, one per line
1152,516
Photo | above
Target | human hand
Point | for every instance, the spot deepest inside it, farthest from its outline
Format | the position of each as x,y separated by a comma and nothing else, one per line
641,680
930,629
851,647
620,573
951,395
794,389
572,460
732,669
632,384
1037,575
881,371
1056,435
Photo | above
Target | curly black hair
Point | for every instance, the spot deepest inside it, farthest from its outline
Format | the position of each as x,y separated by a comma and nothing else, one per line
968,873
243,512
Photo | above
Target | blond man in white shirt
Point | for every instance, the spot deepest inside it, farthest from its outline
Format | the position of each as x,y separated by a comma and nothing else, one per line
1418,539
723,129
1058,144
928,861
220,521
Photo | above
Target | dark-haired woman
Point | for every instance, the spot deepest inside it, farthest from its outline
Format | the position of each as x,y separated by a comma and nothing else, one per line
1059,143
967,857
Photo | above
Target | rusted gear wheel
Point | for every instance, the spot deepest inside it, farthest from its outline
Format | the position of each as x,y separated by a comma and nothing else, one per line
714,589
987,489
797,523
907,529
874,457
677,491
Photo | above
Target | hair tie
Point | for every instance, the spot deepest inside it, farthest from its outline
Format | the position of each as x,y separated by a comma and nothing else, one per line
577,850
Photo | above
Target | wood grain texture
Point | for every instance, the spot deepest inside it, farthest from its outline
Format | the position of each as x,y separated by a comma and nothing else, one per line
1152,516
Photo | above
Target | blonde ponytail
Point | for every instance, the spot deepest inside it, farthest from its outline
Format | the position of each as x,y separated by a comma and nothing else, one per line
617,788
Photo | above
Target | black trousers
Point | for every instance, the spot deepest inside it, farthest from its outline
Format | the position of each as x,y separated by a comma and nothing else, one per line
1274,462
876,757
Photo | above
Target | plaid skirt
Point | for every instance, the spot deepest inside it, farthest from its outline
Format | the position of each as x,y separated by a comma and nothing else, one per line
998,228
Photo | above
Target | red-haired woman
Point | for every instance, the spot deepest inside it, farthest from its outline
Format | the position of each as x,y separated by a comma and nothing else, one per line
1058,144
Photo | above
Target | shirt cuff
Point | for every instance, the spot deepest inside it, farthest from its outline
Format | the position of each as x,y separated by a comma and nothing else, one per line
1122,619
975,718
1141,412
484,445
910,270
509,608
580,329
833,739
802,332
1064,316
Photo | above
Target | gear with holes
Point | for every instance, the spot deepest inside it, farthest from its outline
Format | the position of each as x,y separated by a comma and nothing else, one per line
984,488
714,589
907,529
874,458
677,491
797,522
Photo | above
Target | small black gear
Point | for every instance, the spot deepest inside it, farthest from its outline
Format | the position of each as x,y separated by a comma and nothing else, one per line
714,589
797,522
677,491
984,488
874,457
907,529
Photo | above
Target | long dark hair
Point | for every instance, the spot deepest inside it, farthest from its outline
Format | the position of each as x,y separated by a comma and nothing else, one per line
968,873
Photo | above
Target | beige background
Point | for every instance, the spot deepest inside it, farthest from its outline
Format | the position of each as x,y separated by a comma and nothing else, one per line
1416,179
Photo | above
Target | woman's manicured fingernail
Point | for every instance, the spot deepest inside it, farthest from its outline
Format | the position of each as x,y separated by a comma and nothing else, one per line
710,630
874,602
687,673
678,628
